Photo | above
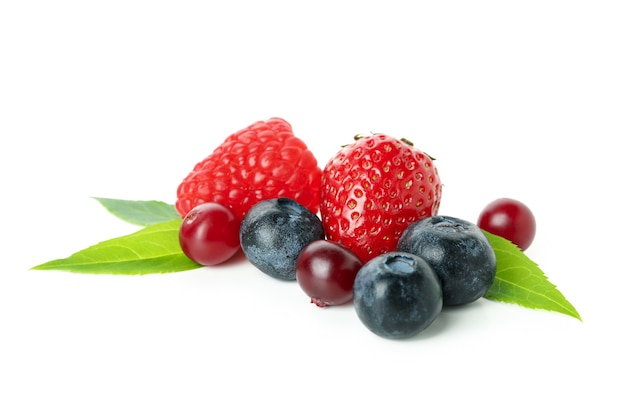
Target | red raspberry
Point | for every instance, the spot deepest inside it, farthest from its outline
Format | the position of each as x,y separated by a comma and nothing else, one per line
373,189
263,161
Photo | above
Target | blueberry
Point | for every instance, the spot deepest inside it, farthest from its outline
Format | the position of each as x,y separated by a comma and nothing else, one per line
458,251
397,295
273,232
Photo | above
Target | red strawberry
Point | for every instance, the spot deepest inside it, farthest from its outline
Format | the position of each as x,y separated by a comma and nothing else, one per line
263,161
373,189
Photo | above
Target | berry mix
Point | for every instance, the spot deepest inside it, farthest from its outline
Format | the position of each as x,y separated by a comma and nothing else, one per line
364,229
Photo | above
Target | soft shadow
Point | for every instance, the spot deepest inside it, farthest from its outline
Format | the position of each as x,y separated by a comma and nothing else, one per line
449,318
236,259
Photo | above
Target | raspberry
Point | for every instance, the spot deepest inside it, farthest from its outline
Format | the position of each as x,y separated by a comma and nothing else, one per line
263,161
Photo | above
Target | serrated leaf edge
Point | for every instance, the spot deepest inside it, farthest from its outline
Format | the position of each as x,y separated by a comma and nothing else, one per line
568,308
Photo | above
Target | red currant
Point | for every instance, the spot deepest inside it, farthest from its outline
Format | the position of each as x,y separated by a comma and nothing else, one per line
325,271
209,234
510,219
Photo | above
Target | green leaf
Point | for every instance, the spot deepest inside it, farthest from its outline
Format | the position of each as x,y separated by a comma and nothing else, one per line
520,281
153,249
140,212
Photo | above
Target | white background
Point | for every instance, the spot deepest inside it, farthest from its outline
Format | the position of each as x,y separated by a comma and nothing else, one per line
120,99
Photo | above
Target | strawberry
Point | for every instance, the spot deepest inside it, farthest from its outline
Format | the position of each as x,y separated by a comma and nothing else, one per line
263,161
373,189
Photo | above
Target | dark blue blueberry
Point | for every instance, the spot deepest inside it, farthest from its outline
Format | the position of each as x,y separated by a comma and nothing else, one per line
273,233
458,251
397,295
